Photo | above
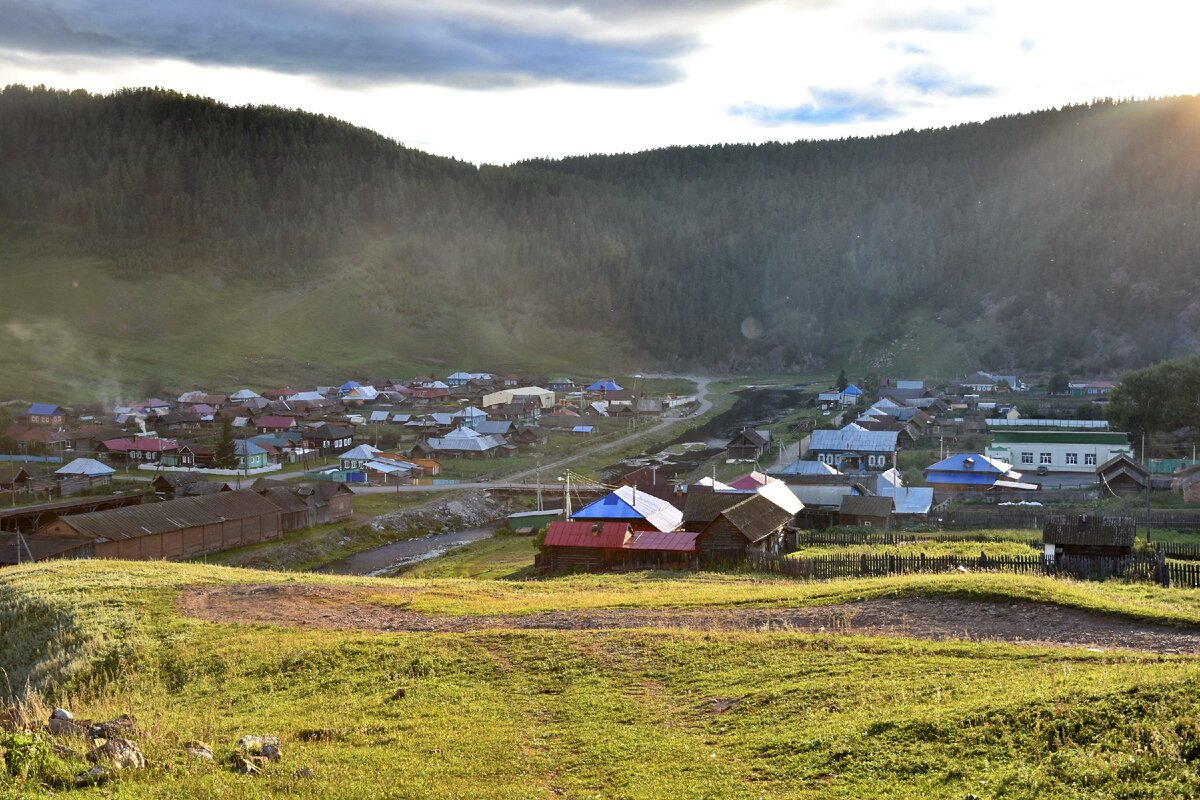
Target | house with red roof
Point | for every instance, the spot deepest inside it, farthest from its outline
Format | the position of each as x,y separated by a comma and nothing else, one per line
613,546
145,449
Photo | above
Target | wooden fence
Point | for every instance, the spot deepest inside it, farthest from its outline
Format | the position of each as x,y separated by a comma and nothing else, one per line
1142,568
804,538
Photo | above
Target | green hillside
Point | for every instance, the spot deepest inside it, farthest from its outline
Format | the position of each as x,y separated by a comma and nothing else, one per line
217,243
499,712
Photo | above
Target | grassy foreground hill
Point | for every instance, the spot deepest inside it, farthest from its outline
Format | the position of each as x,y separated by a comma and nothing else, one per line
500,712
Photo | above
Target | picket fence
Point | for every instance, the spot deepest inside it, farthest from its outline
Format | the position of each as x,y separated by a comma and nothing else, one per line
1141,568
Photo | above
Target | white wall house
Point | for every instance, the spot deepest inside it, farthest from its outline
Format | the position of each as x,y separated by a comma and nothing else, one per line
1057,451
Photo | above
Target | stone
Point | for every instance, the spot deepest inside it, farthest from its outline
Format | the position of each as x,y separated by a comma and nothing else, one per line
65,727
254,744
120,728
96,774
62,713
198,750
120,753
271,752
303,772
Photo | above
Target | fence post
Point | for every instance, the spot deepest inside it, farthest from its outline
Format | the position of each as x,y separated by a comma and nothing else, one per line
1164,577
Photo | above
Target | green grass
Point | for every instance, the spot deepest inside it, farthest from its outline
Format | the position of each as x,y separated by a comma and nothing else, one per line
498,558
621,714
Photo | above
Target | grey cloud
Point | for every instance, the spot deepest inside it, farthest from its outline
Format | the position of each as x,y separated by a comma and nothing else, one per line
340,42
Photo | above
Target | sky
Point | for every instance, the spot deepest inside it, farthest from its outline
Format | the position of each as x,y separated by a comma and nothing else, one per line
497,81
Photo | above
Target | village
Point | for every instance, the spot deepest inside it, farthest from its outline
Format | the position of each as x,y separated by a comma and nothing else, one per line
210,472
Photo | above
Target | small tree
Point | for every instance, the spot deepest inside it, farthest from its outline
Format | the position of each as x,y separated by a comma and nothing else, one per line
870,387
225,453
842,383
1060,383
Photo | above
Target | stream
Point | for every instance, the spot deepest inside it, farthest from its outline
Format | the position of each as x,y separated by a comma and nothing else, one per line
385,560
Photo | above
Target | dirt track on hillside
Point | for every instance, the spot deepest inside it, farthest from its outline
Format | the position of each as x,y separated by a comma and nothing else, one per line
934,618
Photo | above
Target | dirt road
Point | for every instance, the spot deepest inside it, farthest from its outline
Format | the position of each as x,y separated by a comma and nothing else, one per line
934,618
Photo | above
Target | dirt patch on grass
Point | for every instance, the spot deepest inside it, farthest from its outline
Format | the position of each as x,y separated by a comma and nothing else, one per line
935,618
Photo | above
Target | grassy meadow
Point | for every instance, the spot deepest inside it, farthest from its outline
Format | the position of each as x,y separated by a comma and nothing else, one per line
622,714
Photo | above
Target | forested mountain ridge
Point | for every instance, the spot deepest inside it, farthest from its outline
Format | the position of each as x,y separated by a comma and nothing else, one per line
1060,239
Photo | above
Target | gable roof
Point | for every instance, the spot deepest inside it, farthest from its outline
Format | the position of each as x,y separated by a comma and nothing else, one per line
132,522
866,505
44,409
701,508
975,463
363,451
807,468
85,466
628,503
855,439
757,517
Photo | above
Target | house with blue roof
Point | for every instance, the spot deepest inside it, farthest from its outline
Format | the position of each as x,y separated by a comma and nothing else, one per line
855,449
606,385
973,472
46,414
642,510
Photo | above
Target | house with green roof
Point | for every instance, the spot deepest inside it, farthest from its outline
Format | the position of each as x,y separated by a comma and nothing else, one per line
1047,452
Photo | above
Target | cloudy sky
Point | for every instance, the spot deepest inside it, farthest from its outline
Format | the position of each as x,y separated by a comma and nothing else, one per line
501,80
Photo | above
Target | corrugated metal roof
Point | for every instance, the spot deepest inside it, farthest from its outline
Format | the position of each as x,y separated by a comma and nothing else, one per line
85,466
359,453
674,541
975,463
866,506
608,535
152,518
757,517
17,549
807,468
854,439
915,500
43,409
628,503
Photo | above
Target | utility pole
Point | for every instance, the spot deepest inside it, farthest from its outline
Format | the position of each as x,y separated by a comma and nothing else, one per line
537,476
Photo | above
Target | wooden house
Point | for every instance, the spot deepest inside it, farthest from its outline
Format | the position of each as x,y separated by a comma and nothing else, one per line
749,445
639,510
608,546
1187,483
46,414
731,524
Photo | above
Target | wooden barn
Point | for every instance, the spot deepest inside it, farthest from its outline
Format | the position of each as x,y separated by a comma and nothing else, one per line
1187,483
183,528
303,505
1123,476
16,548
1089,535
614,546
867,511
731,524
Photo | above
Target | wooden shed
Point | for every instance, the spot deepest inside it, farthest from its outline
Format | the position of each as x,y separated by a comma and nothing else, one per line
182,528
613,546
1123,476
1089,535
867,511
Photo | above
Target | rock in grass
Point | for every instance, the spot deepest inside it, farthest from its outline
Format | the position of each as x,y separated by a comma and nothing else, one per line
120,728
198,750
120,753
93,776
303,772
60,726
266,746
62,713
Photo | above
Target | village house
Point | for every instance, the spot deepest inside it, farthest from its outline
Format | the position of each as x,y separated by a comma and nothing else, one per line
974,472
854,449
866,511
1088,535
327,438
88,470
749,445
1093,389
732,524
46,414
1079,452
463,442
143,449
272,423
640,510
598,546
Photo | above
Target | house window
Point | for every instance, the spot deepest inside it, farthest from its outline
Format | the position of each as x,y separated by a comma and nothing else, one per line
1046,459
1072,458
1026,458
1089,459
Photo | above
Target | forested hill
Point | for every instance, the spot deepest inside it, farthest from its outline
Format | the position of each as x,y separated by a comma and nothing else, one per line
1057,239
